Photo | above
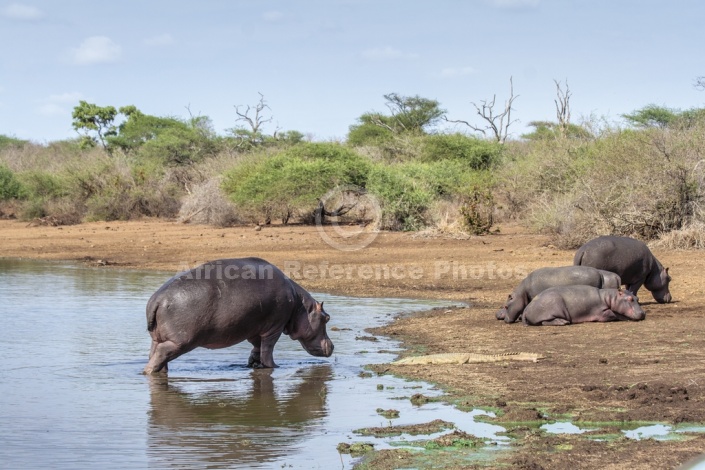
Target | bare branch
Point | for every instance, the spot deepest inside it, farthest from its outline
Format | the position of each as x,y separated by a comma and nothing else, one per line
700,83
255,122
562,102
497,124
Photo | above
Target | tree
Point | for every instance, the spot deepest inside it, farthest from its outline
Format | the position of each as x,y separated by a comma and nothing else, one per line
254,118
562,102
652,116
700,83
497,124
410,114
95,123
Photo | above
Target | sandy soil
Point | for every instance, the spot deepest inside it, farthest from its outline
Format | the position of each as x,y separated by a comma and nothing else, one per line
652,370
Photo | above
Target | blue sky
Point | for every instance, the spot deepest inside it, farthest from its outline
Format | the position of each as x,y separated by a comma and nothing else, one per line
320,64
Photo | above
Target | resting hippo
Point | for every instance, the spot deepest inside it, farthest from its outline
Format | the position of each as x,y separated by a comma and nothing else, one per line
564,305
543,278
225,302
629,258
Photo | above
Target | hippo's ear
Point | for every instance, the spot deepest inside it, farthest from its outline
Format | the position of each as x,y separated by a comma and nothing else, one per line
319,306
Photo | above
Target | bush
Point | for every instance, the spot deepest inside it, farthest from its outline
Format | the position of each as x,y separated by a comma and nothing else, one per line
475,153
290,183
404,199
639,183
206,204
10,187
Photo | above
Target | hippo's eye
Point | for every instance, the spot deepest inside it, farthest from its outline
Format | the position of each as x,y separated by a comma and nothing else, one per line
326,318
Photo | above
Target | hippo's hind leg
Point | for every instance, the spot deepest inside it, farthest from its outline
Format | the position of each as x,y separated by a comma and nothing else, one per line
254,360
161,353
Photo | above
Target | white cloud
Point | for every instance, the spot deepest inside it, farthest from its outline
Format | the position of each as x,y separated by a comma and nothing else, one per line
388,52
96,50
51,109
272,16
165,39
514,4
18,11
71,97
452,72
59,105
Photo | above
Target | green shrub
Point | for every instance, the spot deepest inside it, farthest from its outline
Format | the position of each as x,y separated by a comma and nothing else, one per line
404,199
477,154
10,187
43,185
290,183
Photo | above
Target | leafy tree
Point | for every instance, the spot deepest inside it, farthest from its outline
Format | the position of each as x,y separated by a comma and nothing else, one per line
544,130
652,116
94,123
409,115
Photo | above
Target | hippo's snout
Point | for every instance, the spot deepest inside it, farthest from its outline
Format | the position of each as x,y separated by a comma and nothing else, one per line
327,347
322,348
666,299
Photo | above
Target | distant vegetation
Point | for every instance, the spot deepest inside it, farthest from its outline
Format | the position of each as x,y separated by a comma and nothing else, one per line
642,178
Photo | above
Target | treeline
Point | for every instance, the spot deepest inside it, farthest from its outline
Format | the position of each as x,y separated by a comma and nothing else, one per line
643,179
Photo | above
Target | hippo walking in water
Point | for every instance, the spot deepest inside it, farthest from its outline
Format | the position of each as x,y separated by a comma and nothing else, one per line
541,279
564,305
631,259
225,302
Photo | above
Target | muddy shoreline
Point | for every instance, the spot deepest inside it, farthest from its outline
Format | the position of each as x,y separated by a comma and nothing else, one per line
651,371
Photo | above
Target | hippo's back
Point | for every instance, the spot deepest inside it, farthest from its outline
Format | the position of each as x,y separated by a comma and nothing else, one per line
545,278
221,293
627,257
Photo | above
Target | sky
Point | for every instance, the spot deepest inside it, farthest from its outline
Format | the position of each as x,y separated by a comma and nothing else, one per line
321,64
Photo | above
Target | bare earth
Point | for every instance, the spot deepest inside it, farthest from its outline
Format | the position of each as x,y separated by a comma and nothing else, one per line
652,370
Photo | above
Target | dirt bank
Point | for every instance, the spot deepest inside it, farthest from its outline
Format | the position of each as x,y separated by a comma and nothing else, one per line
652,370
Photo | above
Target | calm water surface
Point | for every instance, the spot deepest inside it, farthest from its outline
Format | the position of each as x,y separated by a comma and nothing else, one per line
72,394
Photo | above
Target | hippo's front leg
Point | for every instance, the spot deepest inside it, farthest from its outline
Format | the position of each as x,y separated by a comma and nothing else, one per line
262,354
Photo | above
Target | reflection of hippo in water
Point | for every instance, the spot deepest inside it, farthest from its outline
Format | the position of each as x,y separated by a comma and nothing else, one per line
541,279
578,304
631,259
230,423
225,302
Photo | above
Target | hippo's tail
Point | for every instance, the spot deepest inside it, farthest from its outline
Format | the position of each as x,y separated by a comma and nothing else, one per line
152,307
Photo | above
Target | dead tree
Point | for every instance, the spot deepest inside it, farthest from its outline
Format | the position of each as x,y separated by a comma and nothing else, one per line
562,107
700,83
254,122
496,124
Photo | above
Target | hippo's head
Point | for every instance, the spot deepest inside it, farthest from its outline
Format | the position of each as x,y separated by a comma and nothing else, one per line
627,304
512,309
658,285
311,332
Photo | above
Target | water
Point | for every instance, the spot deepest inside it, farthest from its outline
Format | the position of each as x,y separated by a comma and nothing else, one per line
72,394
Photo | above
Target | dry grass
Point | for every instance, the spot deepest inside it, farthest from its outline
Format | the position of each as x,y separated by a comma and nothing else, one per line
689,237
207,204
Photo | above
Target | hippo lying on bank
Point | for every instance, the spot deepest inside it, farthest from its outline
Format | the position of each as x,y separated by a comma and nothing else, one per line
225,302
541,279
631,259
564,305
